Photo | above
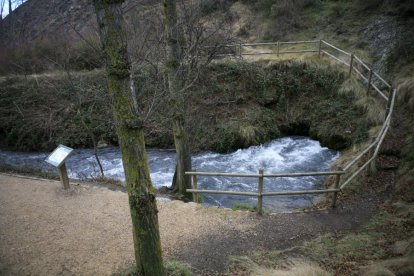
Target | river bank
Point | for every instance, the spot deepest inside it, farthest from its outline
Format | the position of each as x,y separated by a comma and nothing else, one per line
46,230
235,105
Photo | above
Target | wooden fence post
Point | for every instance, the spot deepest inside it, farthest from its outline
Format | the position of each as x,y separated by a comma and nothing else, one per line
369,169
260,191
278,48
63,173
372,168
387,111
369,81
320,48
336,186
195,194
240,50
351,64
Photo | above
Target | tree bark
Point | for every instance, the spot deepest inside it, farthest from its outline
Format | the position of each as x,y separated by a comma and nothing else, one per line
129,128
175,86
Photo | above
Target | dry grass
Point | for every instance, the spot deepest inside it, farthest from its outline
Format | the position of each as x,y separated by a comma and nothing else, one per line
297,269
371,103
397,266
243,265
405,92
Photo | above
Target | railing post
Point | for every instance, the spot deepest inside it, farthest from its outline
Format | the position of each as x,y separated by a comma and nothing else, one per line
336,186
387,111
369,81
372,168
370,152
195,194
260,192
240,50
320,47
351,64
278,48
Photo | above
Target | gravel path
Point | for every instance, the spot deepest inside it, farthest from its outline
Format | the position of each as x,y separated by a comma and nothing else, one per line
87,230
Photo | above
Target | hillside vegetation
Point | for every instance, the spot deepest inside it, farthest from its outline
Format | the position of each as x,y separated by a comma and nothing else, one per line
234,105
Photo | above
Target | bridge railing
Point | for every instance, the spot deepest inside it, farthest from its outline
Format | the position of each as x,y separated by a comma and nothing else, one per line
344,176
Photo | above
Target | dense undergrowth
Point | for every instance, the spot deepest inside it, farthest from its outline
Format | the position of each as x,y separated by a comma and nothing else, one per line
234,105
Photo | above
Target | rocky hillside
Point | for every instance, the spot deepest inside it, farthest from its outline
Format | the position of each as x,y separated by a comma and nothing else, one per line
37,20
45,19
380,30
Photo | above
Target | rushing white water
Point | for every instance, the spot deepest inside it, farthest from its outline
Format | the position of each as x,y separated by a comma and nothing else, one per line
290,154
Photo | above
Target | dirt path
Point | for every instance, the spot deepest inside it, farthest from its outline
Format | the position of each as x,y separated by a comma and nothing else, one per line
47,231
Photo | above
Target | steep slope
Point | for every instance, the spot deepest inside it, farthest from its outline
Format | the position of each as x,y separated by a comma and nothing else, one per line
48,19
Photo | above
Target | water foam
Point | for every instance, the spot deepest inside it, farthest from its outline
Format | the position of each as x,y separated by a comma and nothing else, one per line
290,154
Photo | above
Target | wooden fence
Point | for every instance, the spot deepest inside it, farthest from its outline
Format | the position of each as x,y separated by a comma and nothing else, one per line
344,176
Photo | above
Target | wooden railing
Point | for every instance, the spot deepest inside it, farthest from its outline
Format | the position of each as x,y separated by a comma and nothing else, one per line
343,176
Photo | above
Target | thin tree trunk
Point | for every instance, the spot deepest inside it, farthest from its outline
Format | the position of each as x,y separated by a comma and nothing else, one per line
95,145
175,84
182,181
96,152
129,127
10,6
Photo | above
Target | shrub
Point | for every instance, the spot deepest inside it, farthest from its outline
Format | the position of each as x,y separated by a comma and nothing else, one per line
49,54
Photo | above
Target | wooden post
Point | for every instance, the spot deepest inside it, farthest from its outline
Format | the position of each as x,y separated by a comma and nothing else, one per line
240,50
369,170
63,173
260,192
195,194
387,111
336,186
278,48
320,48
351,63
369,81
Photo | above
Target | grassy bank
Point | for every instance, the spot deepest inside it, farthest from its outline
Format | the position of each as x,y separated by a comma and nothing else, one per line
374,250
234,105
385,244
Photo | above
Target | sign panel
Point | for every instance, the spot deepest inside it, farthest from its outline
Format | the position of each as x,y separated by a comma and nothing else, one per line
59,155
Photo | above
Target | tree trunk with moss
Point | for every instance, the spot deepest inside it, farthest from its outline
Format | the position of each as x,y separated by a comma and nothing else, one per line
131,139
175,86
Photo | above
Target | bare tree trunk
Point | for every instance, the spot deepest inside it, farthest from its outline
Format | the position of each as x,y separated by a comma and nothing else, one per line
10,6
129,127
175,85
95,144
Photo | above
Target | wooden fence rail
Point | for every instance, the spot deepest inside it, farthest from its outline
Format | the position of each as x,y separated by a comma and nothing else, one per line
260,176
355,65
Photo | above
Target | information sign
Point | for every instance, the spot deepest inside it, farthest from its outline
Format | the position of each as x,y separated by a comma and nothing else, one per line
59,155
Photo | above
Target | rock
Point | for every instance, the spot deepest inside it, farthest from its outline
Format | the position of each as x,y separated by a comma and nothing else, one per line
381,35
102,144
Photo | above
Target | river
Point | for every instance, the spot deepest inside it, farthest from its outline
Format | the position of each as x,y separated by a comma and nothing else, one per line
289,154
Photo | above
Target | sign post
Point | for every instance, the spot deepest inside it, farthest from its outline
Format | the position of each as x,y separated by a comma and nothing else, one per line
57,159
